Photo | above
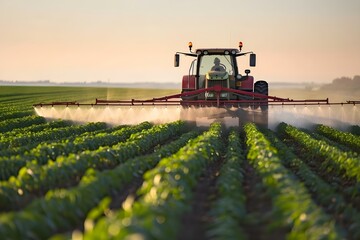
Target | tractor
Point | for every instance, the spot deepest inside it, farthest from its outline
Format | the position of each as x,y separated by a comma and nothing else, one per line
214,79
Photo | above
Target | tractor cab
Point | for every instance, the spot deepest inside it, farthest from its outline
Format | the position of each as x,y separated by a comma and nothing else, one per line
216,67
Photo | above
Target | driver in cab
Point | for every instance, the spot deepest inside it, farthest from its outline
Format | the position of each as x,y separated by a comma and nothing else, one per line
217,67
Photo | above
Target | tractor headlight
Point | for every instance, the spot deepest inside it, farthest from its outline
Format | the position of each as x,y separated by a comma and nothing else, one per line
210,94
198,52
223,95
233,52
206,52
227,52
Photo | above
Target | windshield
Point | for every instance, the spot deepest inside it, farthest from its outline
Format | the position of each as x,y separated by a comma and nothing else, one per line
216,63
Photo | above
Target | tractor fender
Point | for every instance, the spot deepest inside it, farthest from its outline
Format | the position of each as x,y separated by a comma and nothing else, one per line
189,82
246,83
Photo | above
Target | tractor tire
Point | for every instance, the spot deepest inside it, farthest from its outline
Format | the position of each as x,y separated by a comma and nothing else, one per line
262,88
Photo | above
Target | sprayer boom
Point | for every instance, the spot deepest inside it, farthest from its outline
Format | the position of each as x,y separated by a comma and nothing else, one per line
181,100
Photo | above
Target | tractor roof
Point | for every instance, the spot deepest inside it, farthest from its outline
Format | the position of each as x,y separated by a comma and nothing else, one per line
218,50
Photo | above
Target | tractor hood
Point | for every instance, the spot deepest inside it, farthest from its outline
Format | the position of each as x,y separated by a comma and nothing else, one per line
216,75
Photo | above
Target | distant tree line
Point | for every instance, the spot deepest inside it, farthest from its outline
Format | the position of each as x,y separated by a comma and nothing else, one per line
24,82
346,83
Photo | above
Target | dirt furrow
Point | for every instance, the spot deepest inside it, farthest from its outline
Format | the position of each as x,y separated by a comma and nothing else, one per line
194,222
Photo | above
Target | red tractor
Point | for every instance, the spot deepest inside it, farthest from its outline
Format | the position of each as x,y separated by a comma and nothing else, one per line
214,79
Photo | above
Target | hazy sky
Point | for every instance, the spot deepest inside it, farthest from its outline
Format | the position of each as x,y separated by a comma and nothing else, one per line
128,41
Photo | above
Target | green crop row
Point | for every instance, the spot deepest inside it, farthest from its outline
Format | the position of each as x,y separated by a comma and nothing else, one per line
15,114
53,134
63,209
10,124
14,192
293,205
6,109
345,138
34,151
324,193
36,128
114,180
229,210
29,149
330,142
87,141
10,166
334,160
34,178
165,193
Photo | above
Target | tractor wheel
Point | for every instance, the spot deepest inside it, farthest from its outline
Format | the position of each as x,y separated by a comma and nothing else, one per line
262,88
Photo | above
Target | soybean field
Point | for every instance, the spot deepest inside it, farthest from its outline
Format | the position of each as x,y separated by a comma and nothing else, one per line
61,180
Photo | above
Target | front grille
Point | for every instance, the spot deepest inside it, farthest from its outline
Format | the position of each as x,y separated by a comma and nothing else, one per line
212,83
223,83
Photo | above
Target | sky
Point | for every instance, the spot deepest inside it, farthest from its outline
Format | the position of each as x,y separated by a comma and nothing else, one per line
135,40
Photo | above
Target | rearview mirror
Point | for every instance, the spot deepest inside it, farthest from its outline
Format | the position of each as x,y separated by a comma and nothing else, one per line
252,60
177,60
